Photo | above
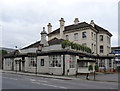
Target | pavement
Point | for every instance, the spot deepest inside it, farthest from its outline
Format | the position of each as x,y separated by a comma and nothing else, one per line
98,77
18,81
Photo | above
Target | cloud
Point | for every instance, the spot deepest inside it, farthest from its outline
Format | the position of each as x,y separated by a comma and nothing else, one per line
23,19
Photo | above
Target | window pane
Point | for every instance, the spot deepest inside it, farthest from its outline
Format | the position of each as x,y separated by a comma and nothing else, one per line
101,37
67,37
83,34
42,62
76,36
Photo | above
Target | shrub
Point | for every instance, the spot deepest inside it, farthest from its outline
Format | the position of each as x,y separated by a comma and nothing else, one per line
90,67
96,67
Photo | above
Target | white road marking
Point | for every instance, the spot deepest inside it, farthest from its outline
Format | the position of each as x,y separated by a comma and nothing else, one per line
57,79
50,85
32,79
10,78
42,81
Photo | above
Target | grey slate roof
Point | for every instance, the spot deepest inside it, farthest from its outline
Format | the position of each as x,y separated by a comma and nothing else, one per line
71,27
55,41
34,45
80,25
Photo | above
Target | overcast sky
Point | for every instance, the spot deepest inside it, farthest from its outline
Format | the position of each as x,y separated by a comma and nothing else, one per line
23,20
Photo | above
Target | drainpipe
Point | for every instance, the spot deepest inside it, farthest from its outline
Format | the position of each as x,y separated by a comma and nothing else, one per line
63,64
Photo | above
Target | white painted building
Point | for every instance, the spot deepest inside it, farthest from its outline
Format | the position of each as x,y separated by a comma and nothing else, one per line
87,45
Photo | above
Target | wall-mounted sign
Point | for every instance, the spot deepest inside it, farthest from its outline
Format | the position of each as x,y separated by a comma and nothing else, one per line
68,60
117,52
31,54
40,48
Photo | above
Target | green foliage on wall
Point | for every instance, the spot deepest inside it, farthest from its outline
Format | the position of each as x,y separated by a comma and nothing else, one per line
75,46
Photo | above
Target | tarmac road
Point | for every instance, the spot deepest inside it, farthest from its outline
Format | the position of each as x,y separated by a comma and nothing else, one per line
15,81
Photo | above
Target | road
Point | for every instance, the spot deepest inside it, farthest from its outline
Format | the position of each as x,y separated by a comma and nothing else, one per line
15,81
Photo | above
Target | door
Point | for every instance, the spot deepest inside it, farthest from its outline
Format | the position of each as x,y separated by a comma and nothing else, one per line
23,66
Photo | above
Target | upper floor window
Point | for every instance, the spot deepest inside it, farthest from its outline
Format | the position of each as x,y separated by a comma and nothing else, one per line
92,34
84,35
84,44
101,49
67,37
108,39
101,37
76,36
92,46
95,36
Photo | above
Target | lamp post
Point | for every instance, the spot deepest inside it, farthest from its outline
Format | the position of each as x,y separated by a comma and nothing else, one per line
36,62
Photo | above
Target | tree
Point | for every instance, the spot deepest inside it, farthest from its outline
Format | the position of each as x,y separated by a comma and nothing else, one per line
3,52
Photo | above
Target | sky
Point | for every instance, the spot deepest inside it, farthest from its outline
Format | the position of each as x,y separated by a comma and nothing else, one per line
21,21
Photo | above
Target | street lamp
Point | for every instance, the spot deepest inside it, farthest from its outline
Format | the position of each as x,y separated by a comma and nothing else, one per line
39,49
36,62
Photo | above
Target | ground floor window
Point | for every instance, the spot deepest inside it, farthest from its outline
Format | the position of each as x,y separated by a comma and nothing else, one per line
55,61
82,64
32,62
8,62
101,63
42,62
72,61
110,63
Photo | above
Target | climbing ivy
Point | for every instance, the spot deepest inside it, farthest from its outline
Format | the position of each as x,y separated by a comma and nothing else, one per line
75,46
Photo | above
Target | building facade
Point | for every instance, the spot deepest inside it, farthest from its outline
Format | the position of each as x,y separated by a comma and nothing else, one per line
70,50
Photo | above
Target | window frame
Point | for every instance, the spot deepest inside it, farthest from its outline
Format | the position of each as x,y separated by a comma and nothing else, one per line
42,62
76,36
101,38
84,34
67,37
101,50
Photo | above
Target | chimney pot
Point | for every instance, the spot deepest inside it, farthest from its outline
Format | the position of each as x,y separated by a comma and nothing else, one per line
49,27
92,23
76,21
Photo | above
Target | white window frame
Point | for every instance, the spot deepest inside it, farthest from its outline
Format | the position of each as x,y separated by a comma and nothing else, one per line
76,36
55,61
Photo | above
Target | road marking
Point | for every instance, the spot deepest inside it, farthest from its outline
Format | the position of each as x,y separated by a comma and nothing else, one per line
42,81
57,79
32,79
10,78
49,85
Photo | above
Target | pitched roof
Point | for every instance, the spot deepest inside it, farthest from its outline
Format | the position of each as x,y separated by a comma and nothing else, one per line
80,25
71,27
55,41
34,45
102,29
12,54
